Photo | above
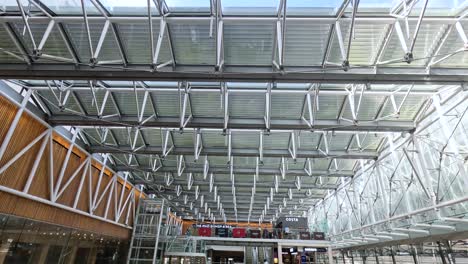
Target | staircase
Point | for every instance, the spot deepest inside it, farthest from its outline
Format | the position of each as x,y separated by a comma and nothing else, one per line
145,246
188,249
261,255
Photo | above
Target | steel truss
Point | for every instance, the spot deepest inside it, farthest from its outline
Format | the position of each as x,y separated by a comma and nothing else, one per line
62,103
146,160
123,201
416,188
397,23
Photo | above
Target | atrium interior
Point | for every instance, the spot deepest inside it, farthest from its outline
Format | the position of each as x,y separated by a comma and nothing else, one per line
234,131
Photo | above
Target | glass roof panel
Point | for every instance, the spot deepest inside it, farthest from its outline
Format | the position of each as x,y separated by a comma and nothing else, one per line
8,46
370,7
79,39
70,7
192,43
248,7
12,6
188,6
316,7
459,59
428,37
306,43
246,85
135,38
129,7
54,45
440,7
248,44
286,105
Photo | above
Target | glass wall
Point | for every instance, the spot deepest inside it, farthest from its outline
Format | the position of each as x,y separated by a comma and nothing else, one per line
26,241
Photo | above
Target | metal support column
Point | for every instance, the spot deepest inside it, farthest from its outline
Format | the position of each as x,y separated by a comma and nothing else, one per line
441,252
280,254
414,254
158,231
392,254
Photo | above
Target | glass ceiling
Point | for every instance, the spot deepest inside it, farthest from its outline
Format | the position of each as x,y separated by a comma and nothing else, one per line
233,7
290,122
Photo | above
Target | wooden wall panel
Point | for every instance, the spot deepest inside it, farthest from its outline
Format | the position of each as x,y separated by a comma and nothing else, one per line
7,113
15,177
124,213
73,166
26,131
83,201
40,188
22,207
104,181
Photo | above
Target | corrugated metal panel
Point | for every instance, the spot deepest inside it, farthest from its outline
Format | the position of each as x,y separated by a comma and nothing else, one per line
214,139
346,164
244,162
335,52
247,44
86,98
170,161
245,139
167,103
308,140
286,105
152,136
127,102
248,105
54,45
364,46
92,136
124,135
217,161
192,43
368,142
428,36
7,44
336,142
120,159
320,164
408,111
183,139
370,105
222,177
305,43
329,106
143,160
295,165
136,41
78,36
271,163
276,140
51,102
206,104
453,43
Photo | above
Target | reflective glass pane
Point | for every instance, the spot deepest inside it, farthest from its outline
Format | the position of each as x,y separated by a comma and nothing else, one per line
247,7
188,6
317,7
440,7
129,7
12,6
70,7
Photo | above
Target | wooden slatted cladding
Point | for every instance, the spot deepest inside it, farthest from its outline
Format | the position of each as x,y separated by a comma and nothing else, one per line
53,170
23,207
